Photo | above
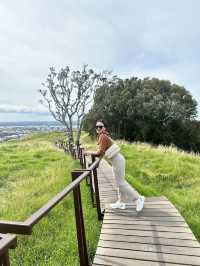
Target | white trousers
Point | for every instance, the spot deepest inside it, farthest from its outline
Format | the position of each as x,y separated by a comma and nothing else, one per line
126,192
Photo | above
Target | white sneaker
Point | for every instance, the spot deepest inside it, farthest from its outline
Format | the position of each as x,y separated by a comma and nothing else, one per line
140,203
118,205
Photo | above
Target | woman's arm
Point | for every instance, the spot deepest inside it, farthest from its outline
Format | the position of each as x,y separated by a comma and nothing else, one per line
90,152
103,145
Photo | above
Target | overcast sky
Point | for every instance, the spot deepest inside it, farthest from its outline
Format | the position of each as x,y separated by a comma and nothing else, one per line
133,38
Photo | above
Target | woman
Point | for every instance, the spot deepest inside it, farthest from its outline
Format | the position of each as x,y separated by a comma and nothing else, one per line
111,151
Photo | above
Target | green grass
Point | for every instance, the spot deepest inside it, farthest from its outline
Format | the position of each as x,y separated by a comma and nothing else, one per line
32,171
164,171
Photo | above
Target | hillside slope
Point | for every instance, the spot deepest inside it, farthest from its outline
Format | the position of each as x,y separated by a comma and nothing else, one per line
32,171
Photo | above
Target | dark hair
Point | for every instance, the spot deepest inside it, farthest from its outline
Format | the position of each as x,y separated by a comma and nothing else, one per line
101,120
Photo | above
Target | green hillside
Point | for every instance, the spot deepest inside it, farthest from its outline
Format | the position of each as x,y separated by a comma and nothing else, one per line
32,171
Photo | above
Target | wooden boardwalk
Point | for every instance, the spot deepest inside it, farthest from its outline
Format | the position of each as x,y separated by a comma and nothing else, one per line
157,236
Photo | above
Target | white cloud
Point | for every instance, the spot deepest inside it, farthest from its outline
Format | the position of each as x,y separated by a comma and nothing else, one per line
6,108
159,38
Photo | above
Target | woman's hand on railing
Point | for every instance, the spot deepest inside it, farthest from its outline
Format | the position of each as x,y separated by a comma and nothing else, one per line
88,152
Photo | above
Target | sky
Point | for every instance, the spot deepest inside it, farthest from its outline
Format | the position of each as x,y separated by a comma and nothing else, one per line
132,38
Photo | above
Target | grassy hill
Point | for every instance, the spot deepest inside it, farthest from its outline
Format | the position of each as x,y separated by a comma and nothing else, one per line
156,171
32,171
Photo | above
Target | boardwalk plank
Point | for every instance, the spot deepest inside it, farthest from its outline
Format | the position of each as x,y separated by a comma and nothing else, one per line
149,256
150,247
146,227
113,261
151,240
171,235
144,222
144,218
146,212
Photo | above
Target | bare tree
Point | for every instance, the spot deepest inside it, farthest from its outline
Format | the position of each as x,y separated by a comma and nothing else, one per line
69,95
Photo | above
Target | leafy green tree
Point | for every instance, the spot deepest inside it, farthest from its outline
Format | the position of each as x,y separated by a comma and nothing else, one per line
143,109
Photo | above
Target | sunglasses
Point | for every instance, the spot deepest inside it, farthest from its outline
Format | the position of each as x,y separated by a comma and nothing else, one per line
99,127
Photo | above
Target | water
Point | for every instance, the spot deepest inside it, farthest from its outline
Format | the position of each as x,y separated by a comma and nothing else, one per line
15,130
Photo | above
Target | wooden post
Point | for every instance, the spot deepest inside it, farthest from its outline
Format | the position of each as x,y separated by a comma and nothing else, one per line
84,161
78,149
82,246
4,259
96,186
91,187
81,156
74,153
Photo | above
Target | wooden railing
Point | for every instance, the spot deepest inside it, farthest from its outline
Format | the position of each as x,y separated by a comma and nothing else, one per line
6,242
78,176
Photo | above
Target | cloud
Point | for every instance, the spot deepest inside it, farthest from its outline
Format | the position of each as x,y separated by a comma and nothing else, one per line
6,108
152,38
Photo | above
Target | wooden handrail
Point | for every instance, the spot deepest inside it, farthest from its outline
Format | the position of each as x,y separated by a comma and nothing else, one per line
26,226
33,219
15,227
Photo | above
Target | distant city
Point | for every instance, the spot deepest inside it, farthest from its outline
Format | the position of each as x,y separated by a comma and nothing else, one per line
16,130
